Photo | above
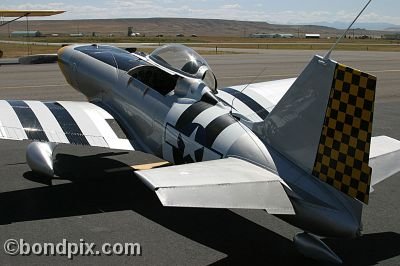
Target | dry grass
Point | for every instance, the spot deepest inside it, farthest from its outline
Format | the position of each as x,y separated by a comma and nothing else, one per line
200,39
202,52
310,46
17,50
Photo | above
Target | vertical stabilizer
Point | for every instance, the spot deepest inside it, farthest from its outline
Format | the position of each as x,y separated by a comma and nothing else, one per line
323,124
343,152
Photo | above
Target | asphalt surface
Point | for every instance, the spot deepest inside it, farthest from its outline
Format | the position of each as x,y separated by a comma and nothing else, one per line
99,199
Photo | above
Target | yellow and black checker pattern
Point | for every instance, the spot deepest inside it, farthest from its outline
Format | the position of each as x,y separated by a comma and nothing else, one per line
343,152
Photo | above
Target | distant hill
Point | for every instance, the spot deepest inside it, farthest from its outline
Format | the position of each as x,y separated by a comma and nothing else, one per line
396,29
168,26
361,25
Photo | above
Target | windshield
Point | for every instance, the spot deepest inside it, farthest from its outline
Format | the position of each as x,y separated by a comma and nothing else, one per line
179,58
110,55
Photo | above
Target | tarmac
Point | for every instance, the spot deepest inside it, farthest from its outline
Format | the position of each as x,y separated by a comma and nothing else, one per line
99,199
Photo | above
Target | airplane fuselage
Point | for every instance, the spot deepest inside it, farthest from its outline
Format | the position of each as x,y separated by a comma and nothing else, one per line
180,119
168,126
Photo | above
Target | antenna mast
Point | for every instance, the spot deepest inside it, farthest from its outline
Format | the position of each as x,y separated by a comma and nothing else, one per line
328,54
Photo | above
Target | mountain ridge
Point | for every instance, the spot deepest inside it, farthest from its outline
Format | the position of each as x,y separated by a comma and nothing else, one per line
172,26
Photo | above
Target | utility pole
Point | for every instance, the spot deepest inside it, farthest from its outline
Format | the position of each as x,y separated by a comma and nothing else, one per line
27,35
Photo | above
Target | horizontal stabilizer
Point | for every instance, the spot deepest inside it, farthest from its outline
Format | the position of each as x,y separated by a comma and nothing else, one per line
384,158
255,101
226,183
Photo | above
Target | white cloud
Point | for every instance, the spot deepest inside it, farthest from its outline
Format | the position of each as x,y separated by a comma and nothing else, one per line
232,6
304,17
169,8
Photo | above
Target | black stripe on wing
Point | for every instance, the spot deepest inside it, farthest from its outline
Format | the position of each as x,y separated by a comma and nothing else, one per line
67,123
29,121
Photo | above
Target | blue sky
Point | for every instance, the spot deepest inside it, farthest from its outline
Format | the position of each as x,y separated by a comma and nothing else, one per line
283,11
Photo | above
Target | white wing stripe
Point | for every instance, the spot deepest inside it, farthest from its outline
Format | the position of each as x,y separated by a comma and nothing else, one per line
49,123
91,121
63,122
12,126
84,123
102,126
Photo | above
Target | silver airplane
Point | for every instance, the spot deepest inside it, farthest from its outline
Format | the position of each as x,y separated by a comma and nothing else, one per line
300,148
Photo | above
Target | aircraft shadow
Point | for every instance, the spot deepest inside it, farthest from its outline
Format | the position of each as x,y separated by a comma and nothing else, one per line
102,184
368,249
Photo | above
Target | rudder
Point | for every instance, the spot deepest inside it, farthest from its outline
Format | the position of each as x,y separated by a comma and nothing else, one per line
343,152
323,124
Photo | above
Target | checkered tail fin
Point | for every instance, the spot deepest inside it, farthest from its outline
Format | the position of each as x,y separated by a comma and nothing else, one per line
323,124
343,151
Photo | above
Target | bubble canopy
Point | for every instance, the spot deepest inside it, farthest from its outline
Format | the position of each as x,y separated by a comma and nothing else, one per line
186,61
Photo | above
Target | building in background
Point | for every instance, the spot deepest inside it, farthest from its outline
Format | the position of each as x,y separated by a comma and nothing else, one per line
31,33
271,35
392,36
313,36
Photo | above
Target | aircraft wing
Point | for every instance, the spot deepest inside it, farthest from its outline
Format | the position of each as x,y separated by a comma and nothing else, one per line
79,123
255,101
384,158
225,183
31,13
